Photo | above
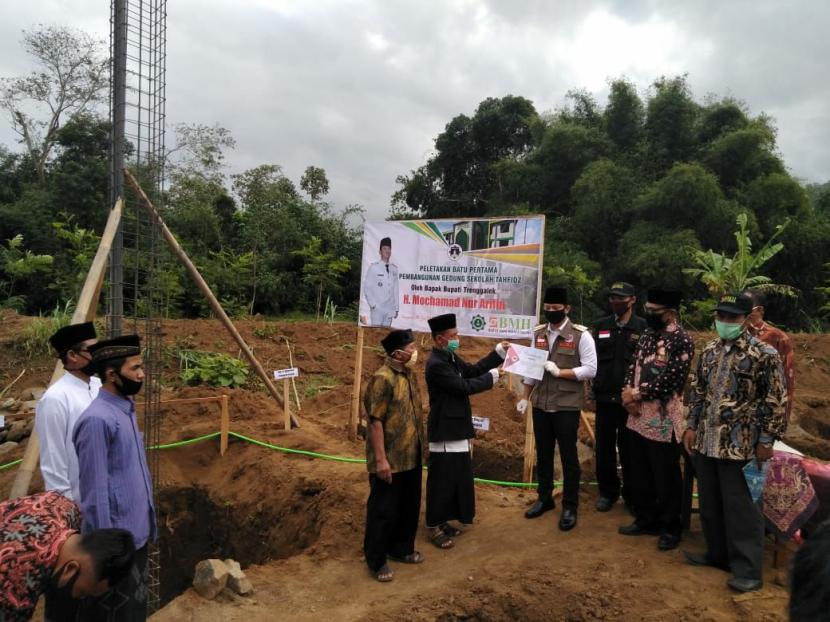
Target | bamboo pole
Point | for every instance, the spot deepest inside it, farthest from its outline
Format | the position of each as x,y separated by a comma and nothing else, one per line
358,370
286,400
225,426
85,311
530,447
215,306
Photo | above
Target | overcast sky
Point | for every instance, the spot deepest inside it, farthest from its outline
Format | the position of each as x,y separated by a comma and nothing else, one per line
361,88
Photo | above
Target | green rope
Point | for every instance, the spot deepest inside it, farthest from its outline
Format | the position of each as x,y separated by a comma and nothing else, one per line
8,465
301,452
189,441
313,454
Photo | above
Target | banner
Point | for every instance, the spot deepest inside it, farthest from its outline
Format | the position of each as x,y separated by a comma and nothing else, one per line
485,270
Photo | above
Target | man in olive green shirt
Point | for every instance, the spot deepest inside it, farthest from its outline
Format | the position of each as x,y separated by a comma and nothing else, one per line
393,458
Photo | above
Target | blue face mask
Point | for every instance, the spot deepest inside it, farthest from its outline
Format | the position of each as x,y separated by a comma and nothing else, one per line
453,345
728,332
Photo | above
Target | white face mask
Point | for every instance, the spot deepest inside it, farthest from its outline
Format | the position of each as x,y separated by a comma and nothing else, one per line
412,359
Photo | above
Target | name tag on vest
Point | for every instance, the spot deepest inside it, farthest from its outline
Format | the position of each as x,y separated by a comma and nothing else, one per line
567,345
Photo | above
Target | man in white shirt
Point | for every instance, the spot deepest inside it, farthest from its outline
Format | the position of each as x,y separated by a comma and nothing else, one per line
380,287
557,400
62,404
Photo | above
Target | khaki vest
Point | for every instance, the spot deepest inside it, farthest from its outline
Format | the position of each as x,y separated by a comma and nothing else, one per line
555,394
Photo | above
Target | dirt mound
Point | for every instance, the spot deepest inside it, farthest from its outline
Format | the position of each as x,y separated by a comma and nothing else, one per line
296,523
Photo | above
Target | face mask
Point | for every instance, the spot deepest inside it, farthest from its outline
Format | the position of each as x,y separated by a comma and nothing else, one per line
61,592
655,321
453,345
88,369
555,317
620,307
412,359
128,387
728,332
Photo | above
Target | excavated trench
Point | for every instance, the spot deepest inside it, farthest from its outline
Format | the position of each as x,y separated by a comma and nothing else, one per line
195,524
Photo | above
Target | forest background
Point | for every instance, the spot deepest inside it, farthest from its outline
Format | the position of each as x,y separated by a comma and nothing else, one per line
659,188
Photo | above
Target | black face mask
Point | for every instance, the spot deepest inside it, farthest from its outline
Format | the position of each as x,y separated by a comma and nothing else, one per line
128,387
555,317
88,369
61,592
655,321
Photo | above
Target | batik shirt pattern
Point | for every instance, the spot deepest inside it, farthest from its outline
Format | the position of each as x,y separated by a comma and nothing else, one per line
660,368
392,398
32,531
738,398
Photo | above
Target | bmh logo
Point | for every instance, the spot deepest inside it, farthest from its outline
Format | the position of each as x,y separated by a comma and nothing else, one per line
478,323
454,251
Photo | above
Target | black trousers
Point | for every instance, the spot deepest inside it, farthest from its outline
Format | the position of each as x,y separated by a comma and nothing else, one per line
126,602
392,517
612,434
732,524
656,483
451,493
548,429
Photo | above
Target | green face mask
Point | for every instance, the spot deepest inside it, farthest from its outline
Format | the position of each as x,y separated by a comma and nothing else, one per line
453,345
728,332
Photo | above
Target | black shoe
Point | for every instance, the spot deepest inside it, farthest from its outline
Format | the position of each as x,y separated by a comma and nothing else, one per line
604,504
668,541
635,529
744,585
540,507
700,559
568,519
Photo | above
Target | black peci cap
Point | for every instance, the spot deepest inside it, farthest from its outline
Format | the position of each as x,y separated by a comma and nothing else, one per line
440,323
67,337
397,340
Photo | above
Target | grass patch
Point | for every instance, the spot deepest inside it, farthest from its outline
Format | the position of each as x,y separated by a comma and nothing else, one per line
315,385
33,341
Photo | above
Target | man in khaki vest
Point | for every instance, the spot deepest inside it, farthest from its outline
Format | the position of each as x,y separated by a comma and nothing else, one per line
557,400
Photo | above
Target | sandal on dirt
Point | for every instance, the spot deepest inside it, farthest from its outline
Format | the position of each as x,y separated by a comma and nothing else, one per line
441,540
384,574
451,531
413,558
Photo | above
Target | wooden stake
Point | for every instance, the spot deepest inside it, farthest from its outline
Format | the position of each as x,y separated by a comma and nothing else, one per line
530,446
286,400
225,426
215,306
588,427
85,311
358,371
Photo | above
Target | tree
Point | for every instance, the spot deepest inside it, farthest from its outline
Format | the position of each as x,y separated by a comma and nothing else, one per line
624,116
604,198
17,264
321,269
670,124
722,274
71,75
314,182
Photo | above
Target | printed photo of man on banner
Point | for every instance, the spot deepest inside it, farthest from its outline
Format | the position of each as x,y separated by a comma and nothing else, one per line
485,270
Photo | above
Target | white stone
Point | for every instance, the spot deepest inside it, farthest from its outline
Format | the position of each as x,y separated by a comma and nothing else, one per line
210,578
237,580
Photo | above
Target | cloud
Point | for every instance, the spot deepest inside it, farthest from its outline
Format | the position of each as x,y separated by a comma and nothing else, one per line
363,88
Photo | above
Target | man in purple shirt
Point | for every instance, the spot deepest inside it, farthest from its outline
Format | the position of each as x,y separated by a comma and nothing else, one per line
114,479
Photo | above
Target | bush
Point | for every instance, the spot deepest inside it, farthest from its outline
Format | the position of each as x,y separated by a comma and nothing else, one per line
214,369
33,341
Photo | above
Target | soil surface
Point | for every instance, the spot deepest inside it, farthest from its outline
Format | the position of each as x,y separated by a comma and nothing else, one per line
295,523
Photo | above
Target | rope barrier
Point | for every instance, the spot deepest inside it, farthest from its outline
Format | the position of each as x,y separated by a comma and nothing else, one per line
310,454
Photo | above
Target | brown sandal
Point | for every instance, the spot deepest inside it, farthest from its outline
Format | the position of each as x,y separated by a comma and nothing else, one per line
413,558
441,540
384,574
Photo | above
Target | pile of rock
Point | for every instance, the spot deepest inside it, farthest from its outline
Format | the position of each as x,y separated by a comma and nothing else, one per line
212,576
18,418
